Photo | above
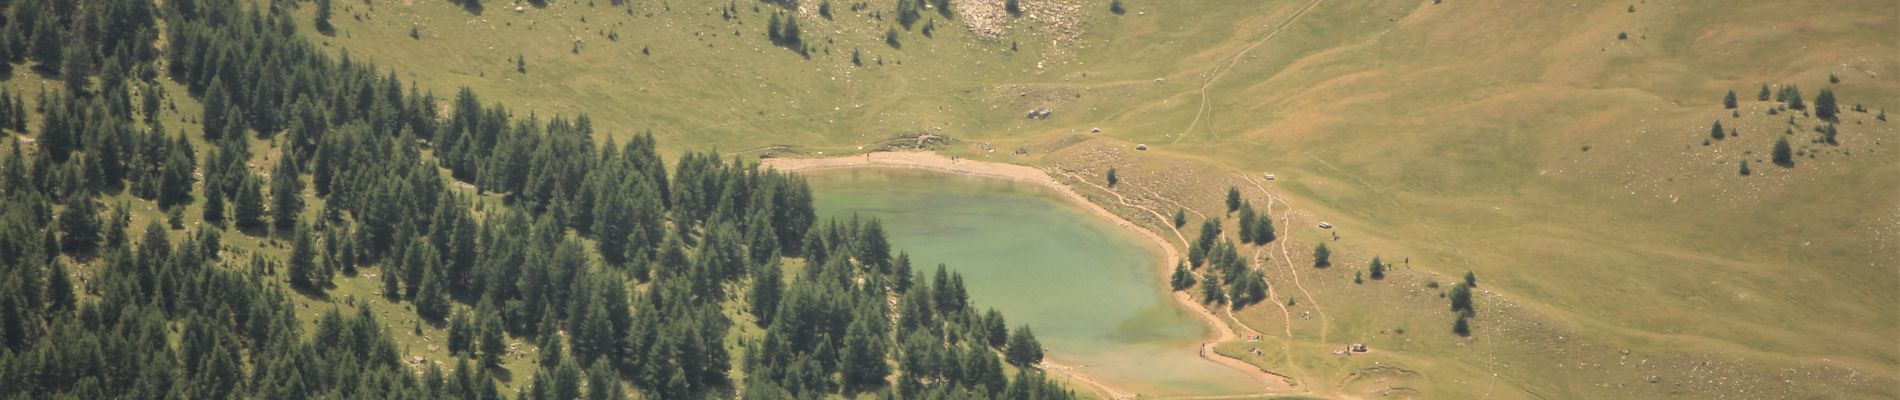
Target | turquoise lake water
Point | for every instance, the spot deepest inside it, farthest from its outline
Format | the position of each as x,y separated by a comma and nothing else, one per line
1093,294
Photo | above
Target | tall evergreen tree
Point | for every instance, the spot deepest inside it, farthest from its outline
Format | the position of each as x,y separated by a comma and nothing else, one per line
1825,107
79,226
60,295
1023,349
323,16
248,205
1233,199
866,345
1783,153
490,338
767,286
301,265
213,211
1263,230
286,191
1181,279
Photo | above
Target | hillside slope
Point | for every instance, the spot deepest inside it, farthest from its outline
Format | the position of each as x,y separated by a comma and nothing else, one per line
1561,152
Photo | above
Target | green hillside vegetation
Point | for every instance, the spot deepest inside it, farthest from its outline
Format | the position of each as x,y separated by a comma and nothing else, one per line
373,247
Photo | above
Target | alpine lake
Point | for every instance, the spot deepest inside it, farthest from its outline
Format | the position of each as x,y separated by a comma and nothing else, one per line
1094,294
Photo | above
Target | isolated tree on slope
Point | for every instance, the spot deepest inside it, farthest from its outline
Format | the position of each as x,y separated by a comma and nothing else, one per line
1377,269
323,16
1181,279
1783,153
1825,107
1233,199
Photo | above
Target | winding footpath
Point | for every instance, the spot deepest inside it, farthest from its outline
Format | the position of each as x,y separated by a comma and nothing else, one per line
1228,65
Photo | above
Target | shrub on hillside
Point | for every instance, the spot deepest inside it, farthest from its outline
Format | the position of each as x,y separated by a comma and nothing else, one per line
1825,107
1783,154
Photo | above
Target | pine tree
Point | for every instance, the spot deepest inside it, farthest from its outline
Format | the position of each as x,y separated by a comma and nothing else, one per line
1180,217
392,284
1716,131
1794,98
216,104
865,349
1245,221
302,267
1461,299
1783,153
604,383
1462,328
214,207
1376,269
1112,179
1825,107
1181,279
60,294
1211,291
567,380
1023,349
1233,199
1471,279
1729,100
175,176
431,298
1745,171
323,16
286,191
490,337
1764,93
249,203
79,226
1263,230
1322,257
767,286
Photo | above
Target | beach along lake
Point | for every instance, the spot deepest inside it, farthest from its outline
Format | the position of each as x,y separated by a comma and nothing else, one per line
1094,294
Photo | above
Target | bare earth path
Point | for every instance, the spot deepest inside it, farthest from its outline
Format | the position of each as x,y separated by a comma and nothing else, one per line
1228,64
938,163
1286,257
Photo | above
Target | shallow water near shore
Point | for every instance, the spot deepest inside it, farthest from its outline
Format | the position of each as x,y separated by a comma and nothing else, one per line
1093,293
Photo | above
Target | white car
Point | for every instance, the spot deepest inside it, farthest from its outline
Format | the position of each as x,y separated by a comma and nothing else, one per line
1324,225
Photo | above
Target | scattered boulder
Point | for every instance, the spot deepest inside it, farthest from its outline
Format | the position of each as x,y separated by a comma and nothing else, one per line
1039,113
